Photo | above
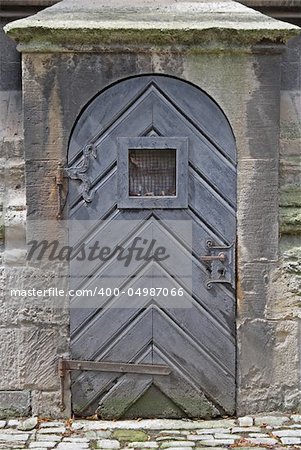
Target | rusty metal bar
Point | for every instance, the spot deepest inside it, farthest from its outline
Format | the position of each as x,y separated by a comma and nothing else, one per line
103,366
220,257
65,365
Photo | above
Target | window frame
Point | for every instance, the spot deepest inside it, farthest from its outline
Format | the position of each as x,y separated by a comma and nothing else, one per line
180,145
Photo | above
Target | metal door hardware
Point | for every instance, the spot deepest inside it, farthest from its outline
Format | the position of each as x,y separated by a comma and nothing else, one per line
220,257
60,174
80,172
65,365
221,264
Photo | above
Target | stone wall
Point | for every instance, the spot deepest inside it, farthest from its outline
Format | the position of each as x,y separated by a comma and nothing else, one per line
13,399
35,334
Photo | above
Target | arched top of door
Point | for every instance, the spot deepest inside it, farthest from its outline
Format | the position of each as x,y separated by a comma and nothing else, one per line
116,101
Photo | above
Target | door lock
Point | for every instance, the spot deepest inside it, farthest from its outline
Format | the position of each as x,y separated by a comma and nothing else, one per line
222,264
220,257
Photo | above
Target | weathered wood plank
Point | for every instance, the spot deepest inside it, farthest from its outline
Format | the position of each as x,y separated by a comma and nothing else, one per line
193,402
212,120
88,386
205,372
126,391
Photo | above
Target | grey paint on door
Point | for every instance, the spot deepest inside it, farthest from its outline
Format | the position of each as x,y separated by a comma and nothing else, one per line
197,342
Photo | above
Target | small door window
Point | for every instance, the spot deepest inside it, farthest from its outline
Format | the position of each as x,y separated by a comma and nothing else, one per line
152,172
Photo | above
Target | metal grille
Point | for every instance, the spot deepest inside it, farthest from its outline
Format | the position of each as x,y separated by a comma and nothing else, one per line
152,173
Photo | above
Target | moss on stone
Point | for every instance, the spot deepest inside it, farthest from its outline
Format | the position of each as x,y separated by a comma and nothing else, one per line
290,131
2,232
35,38
290,220
290,196
130,435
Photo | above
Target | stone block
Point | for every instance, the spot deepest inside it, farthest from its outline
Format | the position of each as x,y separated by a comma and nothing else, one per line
257,216
52,424
290,114
287,433
291,440
252,289
108,443
290,220
39,353
289,148
292,52
42,445
13,423
290,195
177,443
28,424
53,430
14,403
268,380
290,75
148,444
262,441
13,148
10,341
271,420
15,240
130,435
48,438
283,295
27,307
296,418
217,442
14,175
263,108
246,421
253,81
48,404
290,165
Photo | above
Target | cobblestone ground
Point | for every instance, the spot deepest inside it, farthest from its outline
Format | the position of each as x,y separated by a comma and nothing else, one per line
245,433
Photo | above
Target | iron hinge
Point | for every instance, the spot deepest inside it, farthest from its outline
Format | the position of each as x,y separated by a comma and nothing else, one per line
59,180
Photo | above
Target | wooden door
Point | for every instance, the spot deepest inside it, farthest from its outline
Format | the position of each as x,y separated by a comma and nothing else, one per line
197,342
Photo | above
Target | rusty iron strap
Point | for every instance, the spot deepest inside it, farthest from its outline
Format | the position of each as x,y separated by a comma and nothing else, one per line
65,365
103,366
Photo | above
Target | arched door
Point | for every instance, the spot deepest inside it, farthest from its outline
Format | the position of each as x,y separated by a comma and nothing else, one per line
154,156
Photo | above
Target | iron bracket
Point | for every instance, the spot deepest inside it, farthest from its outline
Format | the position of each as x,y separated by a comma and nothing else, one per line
59,179
66,365
80,173
221,262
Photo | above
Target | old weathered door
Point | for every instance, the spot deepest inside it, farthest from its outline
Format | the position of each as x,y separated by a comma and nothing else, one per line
174,122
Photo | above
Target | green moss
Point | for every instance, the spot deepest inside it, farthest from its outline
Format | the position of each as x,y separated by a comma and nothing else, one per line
130,435
290,220
290,196
2,232
35,38
291,131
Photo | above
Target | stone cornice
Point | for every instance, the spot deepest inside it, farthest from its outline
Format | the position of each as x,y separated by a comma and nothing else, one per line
87,26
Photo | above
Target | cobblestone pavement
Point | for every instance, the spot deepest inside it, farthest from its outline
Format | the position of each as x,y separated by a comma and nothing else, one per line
246,433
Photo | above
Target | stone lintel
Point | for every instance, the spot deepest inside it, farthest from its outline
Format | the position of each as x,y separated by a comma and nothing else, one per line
72,25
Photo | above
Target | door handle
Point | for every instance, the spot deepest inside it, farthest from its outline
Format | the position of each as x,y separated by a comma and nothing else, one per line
220,257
